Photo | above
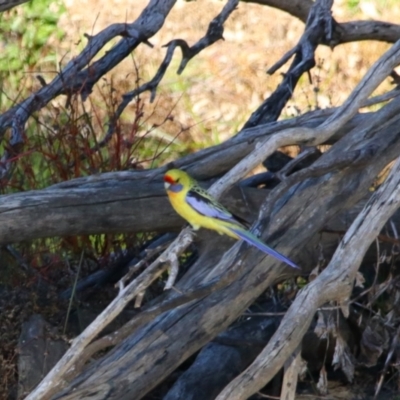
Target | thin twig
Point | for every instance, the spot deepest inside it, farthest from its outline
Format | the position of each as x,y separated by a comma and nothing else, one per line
71,299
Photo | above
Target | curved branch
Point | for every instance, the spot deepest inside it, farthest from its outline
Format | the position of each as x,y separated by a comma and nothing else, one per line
134,201
283,215
74,78
298,8
333,284
214,33
8,4
344,32
124,372
311,137
318,30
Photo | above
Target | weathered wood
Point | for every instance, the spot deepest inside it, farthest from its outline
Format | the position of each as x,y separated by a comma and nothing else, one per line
130,201
223,359
227,355
83,211
293,221
8,4
292,370
318,30
335,283
345,32
181,336
37,353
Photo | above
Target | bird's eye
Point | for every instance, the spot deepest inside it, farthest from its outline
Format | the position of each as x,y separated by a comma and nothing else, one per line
177,180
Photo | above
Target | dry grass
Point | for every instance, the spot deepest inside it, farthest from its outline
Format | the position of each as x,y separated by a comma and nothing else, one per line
214,96
225,83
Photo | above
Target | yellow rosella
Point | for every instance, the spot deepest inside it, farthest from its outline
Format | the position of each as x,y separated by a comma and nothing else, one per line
196,206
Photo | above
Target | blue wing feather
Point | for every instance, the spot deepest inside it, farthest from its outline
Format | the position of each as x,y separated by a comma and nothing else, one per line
199,200
205,206
254,241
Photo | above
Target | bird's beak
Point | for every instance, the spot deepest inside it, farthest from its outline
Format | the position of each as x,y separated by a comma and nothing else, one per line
167,185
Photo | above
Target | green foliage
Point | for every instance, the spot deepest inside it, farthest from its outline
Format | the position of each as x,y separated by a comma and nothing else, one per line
25,32
353,4
28,34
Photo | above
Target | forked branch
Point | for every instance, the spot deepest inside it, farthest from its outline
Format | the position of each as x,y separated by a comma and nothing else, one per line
333,284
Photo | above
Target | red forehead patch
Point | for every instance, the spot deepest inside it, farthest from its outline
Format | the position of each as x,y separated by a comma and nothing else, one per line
169,179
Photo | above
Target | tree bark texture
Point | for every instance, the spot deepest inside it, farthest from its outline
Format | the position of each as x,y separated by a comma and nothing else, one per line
145,358
291,218
131,201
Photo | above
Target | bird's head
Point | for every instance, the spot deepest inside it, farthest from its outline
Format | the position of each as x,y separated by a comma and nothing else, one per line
175,180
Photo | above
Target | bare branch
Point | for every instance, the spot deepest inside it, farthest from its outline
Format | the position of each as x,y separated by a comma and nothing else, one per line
150,312
74,78
77,206
52,382
8,4
333,284
345,32
376,74
214,32
297,8
292,370
319,29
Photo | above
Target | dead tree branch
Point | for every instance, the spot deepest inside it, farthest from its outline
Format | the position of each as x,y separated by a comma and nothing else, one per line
79,75
374,142
189,327
333,284
214,33
77,206
318,29
54,380
8,4
311,137
344,32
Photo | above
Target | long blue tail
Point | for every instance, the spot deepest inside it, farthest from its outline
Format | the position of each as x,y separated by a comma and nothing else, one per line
255,241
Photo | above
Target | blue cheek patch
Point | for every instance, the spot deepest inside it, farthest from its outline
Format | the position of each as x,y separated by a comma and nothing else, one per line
176,188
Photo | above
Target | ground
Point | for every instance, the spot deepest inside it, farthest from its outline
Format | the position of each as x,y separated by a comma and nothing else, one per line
215,95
